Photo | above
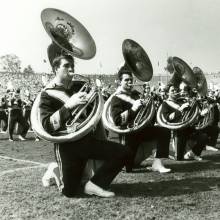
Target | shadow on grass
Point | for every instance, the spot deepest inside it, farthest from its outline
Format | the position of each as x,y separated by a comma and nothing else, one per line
167,188
210,162
3,138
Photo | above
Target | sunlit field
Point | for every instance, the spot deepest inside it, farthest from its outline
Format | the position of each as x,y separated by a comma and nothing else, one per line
191,191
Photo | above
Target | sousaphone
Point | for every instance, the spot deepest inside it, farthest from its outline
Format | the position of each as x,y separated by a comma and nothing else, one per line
69,37
181,73
202,88
139,63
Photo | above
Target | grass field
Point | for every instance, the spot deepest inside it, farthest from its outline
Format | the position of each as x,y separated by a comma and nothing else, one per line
191,191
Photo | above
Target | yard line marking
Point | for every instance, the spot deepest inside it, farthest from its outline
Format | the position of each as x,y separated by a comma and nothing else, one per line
21,168
20,160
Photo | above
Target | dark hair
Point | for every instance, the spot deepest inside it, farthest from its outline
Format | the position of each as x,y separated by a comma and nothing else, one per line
167,88
187,89
57,61
197,70
124,70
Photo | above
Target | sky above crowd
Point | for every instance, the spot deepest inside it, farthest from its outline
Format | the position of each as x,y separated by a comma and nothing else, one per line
185,28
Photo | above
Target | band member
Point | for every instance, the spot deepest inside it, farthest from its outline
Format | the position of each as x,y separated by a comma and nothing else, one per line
172,110
208,101
3,115
151,91
27,105
147,90
123,112
72,156
16,115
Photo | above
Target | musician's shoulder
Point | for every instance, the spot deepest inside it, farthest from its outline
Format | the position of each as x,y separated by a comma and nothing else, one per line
50,85
115,98
135,94
44,95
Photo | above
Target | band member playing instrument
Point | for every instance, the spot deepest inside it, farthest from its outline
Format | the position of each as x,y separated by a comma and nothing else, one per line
16,116
209,102
73,156
172,110
148,91
123,112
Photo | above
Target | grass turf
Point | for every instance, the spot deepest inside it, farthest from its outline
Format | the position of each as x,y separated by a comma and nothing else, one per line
191,191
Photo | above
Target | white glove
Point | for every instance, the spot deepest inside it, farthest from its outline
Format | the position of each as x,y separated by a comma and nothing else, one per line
76,99
171,116
183,106
137,104
204,112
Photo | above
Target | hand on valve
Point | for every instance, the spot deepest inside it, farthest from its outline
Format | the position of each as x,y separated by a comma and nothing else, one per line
136,105
79,98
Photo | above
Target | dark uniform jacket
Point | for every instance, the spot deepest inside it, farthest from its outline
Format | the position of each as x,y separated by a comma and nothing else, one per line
15,105
121,111
53,113
168,108
121,105
3,105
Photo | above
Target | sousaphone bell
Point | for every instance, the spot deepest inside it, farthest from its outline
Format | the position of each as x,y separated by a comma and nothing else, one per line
69,37
181,73
139,63
204,102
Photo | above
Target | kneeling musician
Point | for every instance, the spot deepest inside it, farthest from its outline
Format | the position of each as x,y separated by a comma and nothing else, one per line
173,109
73,156
124,107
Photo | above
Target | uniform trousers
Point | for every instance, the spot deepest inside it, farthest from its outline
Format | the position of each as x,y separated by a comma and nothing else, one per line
16,116
159,134
183,135
212,131
27,114
73,156
3,117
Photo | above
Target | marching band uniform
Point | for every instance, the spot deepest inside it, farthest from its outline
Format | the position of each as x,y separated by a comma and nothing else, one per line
73,156
123,115
212,130
15,115
172,113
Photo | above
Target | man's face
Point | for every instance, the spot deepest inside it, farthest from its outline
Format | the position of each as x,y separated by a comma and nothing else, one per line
147,90
183,90
66,70
211,93
172,92
126,82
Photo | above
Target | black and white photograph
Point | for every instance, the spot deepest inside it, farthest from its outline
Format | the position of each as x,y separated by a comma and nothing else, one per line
109,109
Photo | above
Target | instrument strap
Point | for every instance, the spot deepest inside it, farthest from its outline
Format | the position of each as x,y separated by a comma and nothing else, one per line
57,94
124,97
172,104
